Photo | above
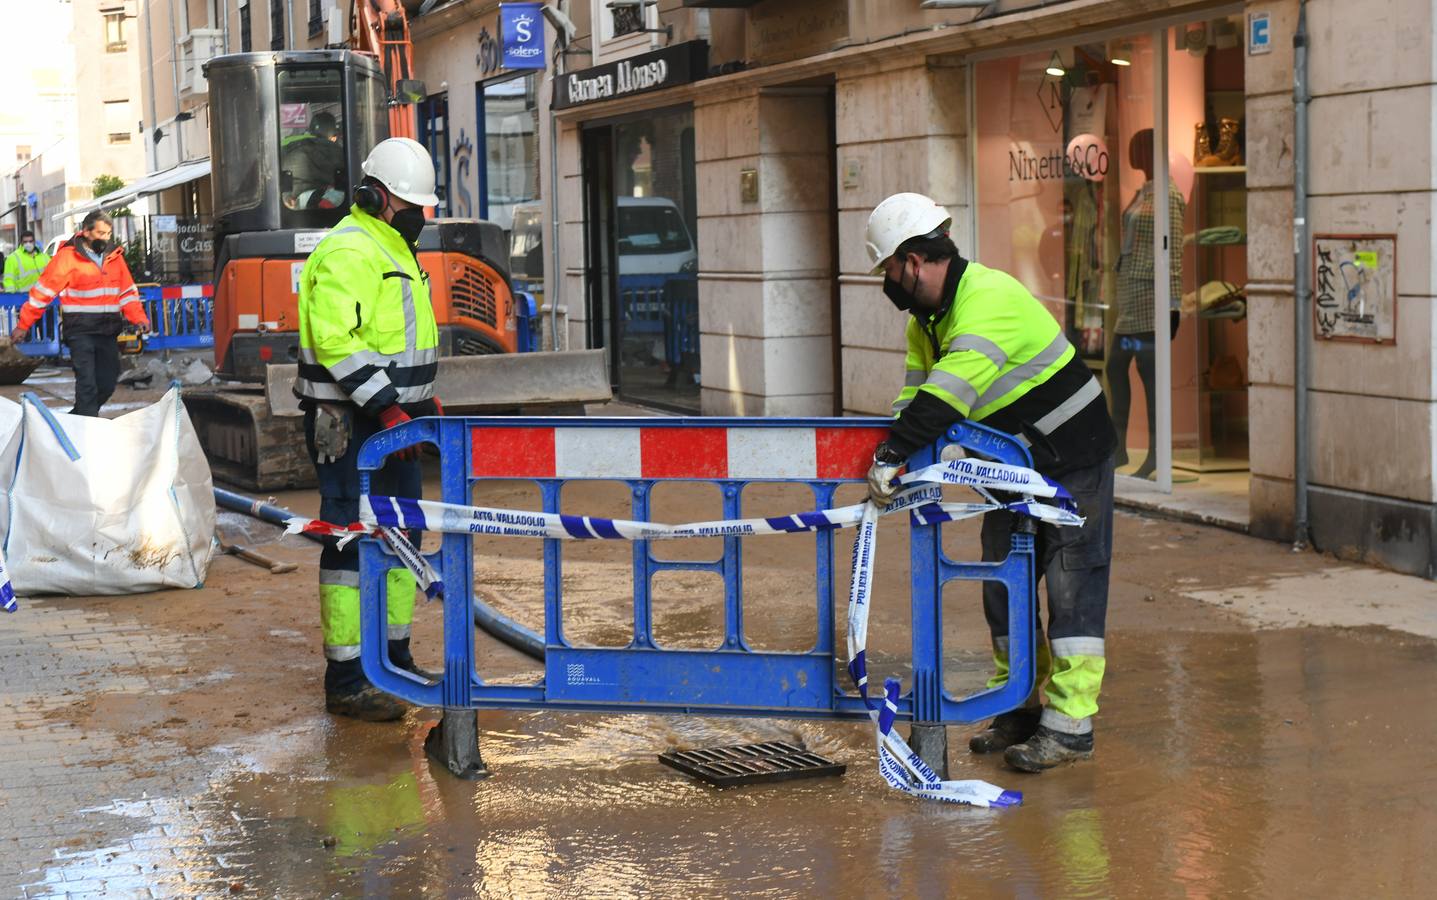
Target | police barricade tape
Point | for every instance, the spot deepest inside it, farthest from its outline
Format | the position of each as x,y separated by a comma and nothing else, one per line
899,765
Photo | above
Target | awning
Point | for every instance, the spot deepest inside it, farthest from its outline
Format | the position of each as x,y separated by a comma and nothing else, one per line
150,184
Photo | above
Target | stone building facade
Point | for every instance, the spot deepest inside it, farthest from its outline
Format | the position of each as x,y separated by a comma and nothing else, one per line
745,290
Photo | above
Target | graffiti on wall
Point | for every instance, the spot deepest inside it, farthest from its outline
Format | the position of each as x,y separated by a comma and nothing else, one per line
1355,287
463,153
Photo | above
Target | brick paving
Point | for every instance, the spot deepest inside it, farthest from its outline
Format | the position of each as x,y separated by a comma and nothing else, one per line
71,798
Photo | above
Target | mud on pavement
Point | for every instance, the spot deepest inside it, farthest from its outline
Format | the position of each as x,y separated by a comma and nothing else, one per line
175,744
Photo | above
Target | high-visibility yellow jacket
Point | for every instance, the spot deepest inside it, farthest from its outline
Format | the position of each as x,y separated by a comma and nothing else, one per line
995,355
23,269
367,333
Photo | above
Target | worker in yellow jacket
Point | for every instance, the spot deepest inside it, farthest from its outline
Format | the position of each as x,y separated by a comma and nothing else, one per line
981,347
23,267
369,351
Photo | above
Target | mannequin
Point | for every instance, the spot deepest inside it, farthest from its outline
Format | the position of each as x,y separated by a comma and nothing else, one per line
1134,339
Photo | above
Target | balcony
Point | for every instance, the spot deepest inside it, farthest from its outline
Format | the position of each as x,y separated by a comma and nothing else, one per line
196,49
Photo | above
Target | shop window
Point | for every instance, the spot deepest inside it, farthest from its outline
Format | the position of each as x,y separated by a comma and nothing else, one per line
1070,205
509,173
1207,105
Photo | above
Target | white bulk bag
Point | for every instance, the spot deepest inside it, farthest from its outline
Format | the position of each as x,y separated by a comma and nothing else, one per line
134,512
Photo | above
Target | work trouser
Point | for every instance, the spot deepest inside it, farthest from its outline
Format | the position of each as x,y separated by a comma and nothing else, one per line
96,358
339,569
1074,562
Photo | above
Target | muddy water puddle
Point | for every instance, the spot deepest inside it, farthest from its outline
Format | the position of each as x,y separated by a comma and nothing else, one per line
1230,761
1265,763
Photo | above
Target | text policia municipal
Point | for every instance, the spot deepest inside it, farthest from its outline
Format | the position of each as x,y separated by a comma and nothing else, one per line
625,79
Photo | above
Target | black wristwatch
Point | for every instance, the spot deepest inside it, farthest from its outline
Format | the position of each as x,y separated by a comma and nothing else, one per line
887,455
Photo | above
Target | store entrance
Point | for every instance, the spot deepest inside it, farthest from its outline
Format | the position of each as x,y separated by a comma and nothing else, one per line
641,216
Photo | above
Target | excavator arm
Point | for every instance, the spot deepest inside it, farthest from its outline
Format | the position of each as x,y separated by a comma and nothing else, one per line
380,29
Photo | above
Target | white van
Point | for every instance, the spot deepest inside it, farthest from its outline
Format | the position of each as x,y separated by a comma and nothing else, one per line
653,239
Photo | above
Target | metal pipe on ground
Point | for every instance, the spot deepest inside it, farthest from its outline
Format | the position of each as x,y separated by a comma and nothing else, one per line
493,622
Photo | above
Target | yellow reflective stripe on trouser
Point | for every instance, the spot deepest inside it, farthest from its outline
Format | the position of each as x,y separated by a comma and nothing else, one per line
1000,667
339,609
1078,666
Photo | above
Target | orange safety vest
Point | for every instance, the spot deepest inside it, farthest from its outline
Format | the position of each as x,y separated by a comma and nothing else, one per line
92,298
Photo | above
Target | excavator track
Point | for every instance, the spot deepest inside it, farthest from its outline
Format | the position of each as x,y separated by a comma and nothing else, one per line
246,444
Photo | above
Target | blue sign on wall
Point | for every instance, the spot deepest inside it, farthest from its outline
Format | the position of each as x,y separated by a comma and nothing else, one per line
1259,33
521,30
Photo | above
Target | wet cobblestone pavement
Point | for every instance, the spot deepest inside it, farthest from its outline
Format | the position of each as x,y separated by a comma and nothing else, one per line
174,745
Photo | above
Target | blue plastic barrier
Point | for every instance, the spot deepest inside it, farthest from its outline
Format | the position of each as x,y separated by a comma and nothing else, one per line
731,679
181,317
526,315
44,336
664,305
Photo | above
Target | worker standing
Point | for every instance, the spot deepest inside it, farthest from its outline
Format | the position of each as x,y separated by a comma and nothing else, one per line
980,347
24,265
369,349
97,296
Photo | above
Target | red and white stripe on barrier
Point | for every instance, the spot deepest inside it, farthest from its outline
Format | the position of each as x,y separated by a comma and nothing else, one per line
187,292
813,454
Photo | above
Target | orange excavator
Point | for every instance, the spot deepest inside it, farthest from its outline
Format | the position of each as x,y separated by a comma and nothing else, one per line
289,130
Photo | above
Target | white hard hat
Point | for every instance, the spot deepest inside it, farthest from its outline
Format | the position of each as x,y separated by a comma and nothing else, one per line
899,218
403,166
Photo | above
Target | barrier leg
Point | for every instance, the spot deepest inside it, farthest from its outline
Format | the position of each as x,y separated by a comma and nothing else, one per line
930,741
455,743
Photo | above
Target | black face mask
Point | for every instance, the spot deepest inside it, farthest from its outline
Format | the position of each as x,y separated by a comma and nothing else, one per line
408,222
899,295
99,246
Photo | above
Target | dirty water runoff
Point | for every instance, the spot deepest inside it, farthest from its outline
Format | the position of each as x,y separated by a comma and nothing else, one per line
1235,755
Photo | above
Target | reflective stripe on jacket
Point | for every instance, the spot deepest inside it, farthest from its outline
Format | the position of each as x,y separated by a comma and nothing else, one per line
23,269
998,356
367,332
93,297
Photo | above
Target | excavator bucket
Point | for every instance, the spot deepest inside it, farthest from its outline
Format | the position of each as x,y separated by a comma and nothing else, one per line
554,382
255,439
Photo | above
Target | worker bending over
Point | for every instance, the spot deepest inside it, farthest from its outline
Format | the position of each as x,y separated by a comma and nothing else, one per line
980,347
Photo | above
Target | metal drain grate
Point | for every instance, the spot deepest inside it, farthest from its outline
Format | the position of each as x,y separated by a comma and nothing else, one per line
751,763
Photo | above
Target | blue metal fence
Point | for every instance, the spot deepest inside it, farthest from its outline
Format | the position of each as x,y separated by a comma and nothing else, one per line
182,318
731,679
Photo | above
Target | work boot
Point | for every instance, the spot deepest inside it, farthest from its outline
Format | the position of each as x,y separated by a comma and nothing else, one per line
401,657
368,704
1010,728
1048,748
348,693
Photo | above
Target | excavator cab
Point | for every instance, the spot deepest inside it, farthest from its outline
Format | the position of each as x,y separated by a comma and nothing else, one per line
295,128
286,145
289,133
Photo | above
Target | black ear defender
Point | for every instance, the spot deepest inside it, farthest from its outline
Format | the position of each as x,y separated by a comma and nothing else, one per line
371,197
